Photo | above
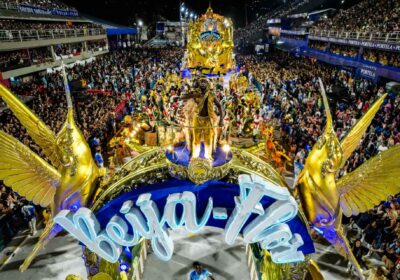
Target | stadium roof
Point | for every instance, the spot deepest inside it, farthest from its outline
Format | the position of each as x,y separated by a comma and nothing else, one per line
113,28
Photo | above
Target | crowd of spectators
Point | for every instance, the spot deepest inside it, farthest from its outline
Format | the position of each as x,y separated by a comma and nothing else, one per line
13,60
385,58
382,57
12,24
261,23
318,45
46,4
68,49
291,94
111,73
367,16
23,58
96,45
344,50
375,236
40,55
12,215
110,78
292,99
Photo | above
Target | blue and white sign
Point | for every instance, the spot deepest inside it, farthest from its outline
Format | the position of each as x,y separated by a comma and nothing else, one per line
260,210
25,8
368,72
359,43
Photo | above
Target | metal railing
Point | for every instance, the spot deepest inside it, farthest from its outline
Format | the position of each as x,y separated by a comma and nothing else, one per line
393,37
294,32
47,34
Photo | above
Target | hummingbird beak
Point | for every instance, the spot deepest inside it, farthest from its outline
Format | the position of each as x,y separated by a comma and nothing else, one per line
329,122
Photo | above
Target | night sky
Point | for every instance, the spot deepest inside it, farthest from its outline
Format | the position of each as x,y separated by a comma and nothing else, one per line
128,12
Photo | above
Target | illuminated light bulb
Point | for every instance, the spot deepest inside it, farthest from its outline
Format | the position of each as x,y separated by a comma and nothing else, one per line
226,148
226,23
123,267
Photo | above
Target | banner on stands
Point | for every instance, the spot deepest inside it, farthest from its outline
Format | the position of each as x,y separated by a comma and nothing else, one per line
43,11
358,43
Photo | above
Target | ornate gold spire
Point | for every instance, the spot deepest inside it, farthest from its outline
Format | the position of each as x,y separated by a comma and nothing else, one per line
210,11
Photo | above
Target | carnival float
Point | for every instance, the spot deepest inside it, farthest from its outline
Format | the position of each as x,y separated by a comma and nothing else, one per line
184,155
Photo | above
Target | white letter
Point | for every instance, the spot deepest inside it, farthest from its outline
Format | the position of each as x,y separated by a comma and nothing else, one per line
287,253
117,230
84,226
161,242
192,222
279,212
252,189
276,236
170,217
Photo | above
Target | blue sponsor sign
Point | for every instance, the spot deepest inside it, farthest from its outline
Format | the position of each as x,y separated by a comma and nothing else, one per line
359,43
368,72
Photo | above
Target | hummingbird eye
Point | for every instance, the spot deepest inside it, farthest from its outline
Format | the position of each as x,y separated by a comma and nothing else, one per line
327,167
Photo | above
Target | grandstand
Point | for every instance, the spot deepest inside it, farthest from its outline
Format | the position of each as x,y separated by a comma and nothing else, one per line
31,44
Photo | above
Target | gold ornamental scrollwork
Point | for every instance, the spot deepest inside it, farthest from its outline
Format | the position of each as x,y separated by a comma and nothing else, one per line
145,168
199,170
246,162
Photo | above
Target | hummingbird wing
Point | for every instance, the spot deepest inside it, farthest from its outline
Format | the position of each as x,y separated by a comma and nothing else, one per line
25,172
38,130
370,183
353,138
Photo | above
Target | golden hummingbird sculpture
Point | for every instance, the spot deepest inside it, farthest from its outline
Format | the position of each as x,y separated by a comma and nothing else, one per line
69,182
324,197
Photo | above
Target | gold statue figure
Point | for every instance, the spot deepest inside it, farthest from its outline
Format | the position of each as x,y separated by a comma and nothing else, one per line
204,119
324,197
67,183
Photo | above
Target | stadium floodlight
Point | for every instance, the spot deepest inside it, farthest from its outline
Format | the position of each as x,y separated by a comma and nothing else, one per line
140,22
